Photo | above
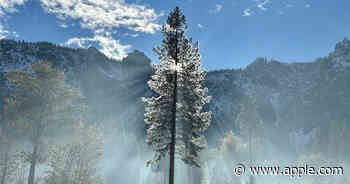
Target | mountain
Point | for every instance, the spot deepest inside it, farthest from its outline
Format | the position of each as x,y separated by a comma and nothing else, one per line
110,85
290,96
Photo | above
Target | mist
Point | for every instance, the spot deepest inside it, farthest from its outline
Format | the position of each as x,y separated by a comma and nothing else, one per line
299,123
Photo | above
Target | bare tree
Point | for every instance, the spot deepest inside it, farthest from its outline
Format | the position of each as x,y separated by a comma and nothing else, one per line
77,162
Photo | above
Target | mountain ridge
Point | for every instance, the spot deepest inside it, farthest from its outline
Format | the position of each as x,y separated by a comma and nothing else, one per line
285,92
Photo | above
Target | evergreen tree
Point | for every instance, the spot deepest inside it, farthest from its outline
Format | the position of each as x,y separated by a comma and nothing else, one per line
174,118
42,101
249,121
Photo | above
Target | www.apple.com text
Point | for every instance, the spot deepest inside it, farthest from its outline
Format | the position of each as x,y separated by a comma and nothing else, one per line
305,170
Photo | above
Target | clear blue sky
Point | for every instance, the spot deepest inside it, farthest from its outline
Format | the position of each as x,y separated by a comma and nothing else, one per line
232,33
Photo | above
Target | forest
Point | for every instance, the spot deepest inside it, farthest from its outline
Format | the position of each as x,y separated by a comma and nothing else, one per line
53,131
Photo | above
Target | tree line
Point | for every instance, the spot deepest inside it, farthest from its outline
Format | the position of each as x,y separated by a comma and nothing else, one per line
41,106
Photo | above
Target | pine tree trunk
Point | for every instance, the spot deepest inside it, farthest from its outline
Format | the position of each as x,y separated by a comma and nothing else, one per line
173,128
33,163
173,133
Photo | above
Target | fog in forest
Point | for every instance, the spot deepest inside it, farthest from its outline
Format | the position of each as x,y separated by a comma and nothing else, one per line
125,154
80,116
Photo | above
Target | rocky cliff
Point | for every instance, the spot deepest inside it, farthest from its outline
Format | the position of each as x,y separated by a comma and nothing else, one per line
290,96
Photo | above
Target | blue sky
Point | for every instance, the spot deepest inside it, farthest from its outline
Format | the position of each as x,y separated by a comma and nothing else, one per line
232,33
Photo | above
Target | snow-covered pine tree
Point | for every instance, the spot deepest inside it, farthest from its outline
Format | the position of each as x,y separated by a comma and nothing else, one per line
174,116
191,97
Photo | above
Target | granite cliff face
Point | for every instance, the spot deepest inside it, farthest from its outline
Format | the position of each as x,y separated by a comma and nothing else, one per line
110,86
290,96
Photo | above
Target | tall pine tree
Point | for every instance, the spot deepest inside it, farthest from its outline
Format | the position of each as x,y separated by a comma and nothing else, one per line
249,121
43,102
175,120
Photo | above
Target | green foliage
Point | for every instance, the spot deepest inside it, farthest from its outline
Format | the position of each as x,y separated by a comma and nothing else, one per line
42,99
248,118
41,102
249,122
